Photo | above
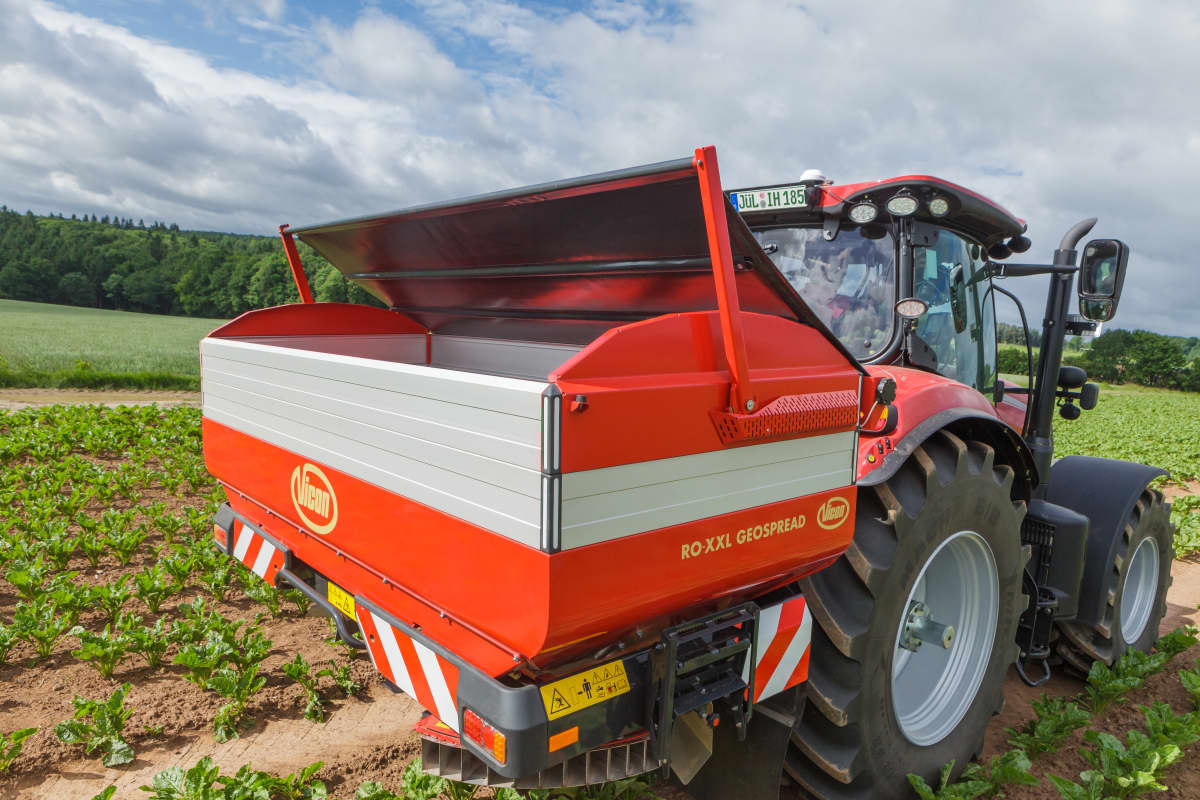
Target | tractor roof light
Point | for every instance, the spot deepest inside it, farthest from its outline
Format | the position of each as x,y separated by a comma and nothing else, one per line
902,204
939,206
864,212
911,308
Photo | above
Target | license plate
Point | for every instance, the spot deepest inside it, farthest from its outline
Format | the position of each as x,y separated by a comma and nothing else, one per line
770,199
341,600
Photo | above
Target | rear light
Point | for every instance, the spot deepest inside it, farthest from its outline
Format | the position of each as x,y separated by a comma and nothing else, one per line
219,534
484,735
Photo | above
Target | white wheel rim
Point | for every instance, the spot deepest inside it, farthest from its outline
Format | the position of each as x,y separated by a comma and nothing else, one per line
933,688
1137,595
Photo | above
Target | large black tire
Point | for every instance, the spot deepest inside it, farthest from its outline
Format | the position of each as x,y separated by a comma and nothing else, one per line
1081,645
848,742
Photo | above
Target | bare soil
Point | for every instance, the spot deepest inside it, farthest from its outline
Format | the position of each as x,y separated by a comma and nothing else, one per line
13,399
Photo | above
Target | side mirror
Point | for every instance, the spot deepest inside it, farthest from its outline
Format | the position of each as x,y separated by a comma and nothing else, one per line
1101,276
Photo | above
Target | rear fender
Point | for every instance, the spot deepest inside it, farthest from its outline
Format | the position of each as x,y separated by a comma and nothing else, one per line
1104,490
966,423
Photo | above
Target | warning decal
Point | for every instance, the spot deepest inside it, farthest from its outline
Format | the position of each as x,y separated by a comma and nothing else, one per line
584,689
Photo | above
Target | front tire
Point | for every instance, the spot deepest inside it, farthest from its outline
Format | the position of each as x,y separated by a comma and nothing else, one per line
1136,590
877,711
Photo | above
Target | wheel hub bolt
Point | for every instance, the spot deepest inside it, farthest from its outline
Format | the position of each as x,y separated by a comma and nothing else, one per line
920,627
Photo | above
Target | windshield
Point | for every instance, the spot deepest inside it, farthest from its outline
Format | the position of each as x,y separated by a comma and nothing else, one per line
849,283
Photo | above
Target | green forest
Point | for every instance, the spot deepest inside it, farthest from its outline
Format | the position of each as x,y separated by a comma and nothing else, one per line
118,264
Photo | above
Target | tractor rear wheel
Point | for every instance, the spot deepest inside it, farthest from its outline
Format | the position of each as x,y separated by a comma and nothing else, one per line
1136,593
916,626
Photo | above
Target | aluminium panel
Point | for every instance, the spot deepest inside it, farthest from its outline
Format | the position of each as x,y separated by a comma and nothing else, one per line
414,450
497,393
534,360
612,502
404,348
441,421
418,436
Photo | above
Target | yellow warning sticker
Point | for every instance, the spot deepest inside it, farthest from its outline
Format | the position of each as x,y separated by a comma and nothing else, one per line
340,598
584,689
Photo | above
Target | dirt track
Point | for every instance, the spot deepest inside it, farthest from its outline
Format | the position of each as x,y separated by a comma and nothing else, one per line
12,399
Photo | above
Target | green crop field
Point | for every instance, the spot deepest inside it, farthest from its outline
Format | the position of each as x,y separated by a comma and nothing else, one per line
50,345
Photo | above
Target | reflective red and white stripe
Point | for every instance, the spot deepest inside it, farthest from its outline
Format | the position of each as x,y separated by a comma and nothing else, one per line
417,670
249,547
782,643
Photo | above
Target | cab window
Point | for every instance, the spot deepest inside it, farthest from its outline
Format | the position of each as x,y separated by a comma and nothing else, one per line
960,325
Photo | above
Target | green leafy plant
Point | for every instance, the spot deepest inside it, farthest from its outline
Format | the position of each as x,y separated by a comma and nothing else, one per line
238,687
179,566
301,785
112,596
1105,685
460,791
126,542
946,790
151,587
218,579
1057,718
1091,788
92,545
1007,769
1127,769
11,744
150,642
29,578
341,676
42,625
201,782
106,794
104,651
298,598
1177,641
416,785
1164,726
299,671
8,638
205,658
373,790
168,525
103,731
262,592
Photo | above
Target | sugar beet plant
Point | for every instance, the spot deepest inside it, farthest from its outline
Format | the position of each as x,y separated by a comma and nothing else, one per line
99,725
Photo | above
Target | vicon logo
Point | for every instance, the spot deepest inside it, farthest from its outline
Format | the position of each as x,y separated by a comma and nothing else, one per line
314,499
833,512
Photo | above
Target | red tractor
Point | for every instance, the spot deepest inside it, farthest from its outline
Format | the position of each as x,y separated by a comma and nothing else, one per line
633,472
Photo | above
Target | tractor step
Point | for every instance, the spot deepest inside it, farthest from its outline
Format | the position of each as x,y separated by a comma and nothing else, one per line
700,662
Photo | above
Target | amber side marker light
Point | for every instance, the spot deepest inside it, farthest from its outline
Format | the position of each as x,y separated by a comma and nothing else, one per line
484,735
564,738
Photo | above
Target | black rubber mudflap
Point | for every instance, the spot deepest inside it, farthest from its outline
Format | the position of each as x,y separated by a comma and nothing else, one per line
750,769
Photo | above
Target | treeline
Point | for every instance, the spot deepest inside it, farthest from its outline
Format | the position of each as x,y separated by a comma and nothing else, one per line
114,263
1120,356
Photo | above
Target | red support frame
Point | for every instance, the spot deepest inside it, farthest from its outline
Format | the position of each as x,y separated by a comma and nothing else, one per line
293,257
741,398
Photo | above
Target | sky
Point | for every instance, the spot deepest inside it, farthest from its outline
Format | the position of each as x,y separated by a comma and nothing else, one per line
239,115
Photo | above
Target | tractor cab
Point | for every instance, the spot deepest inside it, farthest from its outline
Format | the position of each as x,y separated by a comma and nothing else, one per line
852,251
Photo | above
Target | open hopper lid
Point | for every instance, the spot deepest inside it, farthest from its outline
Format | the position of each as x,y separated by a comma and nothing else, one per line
613,247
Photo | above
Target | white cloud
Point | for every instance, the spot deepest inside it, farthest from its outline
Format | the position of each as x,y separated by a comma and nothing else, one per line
1059,111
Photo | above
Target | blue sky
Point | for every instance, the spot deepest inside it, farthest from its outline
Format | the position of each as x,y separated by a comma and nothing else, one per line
237,116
